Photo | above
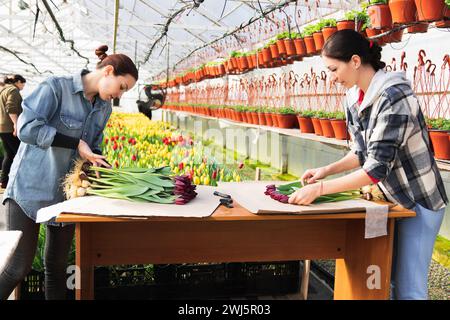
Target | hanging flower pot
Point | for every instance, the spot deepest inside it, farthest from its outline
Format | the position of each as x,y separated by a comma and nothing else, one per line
300,47
266,55
254,58
394,36
281,47
317,126
340,129
430,10
345,24
305,124
274,51
380,16
250,62
418,28
290,47
328,32
310,45
221,70
373,32
318,41
243,63
403,11
327,129
441,144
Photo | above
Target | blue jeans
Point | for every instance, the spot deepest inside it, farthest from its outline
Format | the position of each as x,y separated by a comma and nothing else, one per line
413,247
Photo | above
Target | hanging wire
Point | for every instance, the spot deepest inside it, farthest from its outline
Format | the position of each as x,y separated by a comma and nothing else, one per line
14,53
61,33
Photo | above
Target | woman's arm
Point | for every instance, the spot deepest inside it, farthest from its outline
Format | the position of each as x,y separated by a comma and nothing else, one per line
14,117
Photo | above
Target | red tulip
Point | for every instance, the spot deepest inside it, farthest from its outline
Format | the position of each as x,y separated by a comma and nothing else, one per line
115,146
133,157
106,141
123,137
181,165
241,165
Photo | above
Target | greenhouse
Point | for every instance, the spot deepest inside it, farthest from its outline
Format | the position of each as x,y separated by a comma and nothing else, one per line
225,150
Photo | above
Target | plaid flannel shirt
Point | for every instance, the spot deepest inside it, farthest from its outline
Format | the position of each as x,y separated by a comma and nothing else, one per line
391,140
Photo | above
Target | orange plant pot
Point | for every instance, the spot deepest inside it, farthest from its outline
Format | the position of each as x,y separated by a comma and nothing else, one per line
340,129
300,47
261,118
430,10
281,48
305,124
441,144
268,117
310,45
286,121
419,28
402,11
327,129
373,32
328,32
318,41
274,51
290,47
380,16
266,55
317,126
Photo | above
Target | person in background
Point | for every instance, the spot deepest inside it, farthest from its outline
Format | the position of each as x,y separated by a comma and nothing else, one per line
62,120
10,109
391,149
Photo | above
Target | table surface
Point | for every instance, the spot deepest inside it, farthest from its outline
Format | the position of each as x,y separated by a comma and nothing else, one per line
223,213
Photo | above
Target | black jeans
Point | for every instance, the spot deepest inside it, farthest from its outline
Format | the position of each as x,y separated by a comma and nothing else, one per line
57,246
11,145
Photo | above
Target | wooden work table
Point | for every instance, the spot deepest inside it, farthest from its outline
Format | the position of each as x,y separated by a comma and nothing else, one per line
236,235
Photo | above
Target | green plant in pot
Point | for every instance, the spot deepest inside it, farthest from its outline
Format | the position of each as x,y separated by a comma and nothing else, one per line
339,125
305,122
286,117
439,135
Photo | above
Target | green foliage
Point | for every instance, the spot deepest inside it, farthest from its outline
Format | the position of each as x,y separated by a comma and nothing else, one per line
327,23
447,2
356,14
310,29
307,113
439,124
338,115
371,2
285,110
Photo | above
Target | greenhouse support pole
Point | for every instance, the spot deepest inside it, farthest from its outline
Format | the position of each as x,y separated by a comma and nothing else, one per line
116,24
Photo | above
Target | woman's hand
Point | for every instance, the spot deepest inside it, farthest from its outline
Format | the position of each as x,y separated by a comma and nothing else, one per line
86,153
306,195
312,175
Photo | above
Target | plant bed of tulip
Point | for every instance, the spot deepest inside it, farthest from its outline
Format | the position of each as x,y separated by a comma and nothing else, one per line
133,141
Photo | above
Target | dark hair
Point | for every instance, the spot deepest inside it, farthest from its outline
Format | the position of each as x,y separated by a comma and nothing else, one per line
343,44
14,78
122,64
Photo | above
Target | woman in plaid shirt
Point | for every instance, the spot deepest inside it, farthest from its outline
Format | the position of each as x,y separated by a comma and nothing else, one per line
391,148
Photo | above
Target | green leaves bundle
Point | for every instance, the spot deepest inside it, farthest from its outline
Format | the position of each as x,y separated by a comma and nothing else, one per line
134,184
281,193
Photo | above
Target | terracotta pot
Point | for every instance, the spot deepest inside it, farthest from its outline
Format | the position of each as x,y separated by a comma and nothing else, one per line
327,129
255,119
286,121
268,117
318,40
290,47
317,126
274,51
373,32
380,16
446,12
266,55
281,48
243,63
254,60
274,120
239,116
393,37
306,125
441,144
403,11
260,59
418,28
300,47
328,32
430,10
250,62
347,24
442,24
261,119
340,129
310,45
234,62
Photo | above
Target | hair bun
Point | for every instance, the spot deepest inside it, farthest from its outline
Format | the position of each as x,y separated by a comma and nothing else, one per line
101,52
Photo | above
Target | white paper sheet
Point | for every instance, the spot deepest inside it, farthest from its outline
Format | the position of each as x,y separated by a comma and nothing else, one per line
8,243
202,206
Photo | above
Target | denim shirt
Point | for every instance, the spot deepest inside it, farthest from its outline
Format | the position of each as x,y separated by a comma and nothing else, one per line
57,105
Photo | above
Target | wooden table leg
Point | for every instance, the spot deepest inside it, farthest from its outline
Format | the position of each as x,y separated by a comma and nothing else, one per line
365,272
84,262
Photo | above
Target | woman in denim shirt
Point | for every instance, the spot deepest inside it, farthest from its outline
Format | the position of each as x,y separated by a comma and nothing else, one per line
62,120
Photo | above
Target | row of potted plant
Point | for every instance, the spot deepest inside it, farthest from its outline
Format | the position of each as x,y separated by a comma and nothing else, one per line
376,17
321,123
